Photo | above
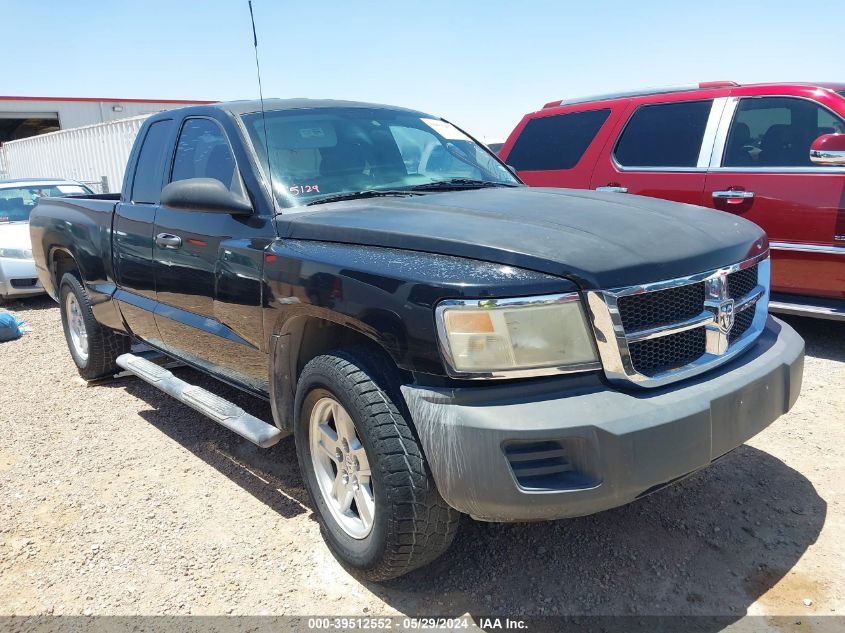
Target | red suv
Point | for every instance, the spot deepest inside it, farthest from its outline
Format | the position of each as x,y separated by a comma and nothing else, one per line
773,154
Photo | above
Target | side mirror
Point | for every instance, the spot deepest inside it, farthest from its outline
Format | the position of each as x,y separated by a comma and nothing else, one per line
203,194
828,150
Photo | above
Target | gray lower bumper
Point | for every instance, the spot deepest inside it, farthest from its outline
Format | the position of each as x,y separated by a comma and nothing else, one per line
573,446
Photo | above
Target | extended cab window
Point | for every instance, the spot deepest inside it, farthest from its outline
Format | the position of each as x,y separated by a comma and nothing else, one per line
777,132
146,186
203,152
664,135
556,142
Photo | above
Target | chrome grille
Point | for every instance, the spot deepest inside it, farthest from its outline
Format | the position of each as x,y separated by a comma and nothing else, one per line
665,353
661,332
659,308
742,282
743,321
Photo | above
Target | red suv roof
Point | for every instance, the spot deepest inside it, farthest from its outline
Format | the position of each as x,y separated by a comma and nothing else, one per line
704,85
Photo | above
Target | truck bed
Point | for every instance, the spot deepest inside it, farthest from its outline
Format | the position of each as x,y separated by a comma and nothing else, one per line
79,226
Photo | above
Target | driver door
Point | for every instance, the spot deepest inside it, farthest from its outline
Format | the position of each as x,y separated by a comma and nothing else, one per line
208,267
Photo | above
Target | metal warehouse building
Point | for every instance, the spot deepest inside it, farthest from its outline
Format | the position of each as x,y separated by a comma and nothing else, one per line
21,117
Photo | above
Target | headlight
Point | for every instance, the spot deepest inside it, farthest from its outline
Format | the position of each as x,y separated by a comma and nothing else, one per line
512,337
16,253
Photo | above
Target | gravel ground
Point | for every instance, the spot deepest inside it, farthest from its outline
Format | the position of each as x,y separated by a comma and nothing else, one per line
119,500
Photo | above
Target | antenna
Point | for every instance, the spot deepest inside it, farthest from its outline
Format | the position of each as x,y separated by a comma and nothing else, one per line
263,115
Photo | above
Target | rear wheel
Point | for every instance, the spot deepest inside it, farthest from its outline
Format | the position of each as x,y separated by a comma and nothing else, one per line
94,347
371,489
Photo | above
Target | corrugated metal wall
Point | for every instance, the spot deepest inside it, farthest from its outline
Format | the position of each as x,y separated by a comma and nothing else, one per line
3,171
86,154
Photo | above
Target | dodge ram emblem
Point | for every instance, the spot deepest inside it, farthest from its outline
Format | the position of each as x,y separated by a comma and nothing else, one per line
722,307
726,316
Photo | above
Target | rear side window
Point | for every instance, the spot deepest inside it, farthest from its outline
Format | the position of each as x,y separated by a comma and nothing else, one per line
146,187
664,135
203,152
556,142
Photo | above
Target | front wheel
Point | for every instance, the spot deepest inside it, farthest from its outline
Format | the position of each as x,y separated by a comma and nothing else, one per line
94,347
371,489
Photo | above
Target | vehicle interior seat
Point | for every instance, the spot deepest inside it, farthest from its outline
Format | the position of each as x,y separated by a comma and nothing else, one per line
14,209
776,146
297,165
342,167
737,153
385,159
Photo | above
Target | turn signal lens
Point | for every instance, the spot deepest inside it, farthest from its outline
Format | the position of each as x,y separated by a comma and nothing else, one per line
468,322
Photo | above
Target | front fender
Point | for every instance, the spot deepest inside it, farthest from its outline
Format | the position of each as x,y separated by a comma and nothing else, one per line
387,295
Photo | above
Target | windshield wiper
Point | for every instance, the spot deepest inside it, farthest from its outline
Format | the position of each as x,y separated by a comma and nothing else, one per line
354,195
460,183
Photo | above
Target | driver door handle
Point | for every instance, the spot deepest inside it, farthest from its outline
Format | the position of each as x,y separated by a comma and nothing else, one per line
613,188
168,241
733,194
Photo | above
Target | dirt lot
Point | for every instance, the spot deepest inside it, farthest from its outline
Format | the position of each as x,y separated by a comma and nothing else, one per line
119,500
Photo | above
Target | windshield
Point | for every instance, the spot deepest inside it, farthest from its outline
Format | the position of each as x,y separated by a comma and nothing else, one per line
16,203
325,153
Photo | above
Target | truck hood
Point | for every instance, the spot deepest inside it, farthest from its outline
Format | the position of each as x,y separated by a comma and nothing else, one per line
15,235
599,240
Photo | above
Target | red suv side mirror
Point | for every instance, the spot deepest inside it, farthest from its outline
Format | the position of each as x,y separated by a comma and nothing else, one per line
828,150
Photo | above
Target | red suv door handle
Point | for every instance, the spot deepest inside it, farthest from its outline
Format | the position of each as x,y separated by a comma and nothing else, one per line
613,188
733,196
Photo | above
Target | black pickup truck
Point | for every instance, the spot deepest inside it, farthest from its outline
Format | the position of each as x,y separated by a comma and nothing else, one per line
439,338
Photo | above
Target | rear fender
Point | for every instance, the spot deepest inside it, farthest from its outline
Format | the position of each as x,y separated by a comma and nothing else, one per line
75,234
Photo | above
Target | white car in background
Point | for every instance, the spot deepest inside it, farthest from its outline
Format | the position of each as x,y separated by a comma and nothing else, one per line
17,199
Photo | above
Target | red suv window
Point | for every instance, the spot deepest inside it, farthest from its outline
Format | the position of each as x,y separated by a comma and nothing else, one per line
777,132
664,135
556,142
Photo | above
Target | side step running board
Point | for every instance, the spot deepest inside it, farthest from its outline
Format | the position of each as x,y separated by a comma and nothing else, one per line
218,409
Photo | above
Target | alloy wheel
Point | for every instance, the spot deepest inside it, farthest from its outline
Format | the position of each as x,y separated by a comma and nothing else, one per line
342,467
76,327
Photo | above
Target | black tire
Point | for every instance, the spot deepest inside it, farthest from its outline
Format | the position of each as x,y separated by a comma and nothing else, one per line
412,524
104,344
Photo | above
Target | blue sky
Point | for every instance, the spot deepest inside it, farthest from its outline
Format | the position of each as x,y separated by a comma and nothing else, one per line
481,64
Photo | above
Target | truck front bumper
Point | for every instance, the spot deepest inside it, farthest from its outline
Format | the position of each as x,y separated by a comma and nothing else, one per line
574,446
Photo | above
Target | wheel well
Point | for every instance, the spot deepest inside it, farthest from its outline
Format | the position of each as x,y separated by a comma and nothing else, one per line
307,338
63,263
318,337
